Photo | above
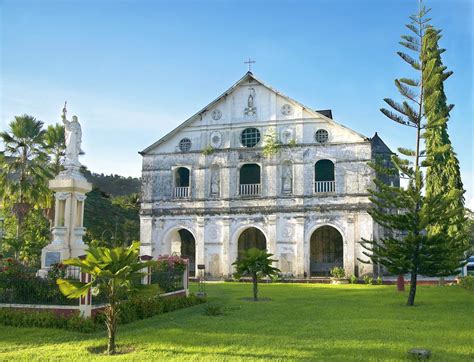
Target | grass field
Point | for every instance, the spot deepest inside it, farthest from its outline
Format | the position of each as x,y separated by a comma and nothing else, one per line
300,322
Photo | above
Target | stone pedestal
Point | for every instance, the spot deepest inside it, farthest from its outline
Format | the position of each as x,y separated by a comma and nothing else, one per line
70,189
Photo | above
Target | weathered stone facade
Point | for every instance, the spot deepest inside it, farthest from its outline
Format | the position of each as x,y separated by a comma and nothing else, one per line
207,177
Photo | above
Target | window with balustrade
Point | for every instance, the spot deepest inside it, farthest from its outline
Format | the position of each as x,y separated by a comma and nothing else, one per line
181,189
249,180
324,181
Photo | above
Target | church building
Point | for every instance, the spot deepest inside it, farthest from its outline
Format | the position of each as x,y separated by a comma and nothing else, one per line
256,168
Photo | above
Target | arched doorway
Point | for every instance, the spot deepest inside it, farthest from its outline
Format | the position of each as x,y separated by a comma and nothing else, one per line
184,244
251,238
326,251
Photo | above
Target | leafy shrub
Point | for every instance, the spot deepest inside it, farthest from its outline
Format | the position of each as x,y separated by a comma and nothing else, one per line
368,279
338,272
140,307
353,279
19,284
46,319
379,281
467,282
213,309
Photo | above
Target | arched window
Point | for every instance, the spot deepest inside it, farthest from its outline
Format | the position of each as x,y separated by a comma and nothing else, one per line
181,182
324,176
249,179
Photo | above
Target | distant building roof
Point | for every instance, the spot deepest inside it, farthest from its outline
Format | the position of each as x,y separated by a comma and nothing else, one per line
326,112
379,146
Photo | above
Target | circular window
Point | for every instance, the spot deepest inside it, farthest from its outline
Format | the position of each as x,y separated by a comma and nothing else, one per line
321,136
250,137
185,144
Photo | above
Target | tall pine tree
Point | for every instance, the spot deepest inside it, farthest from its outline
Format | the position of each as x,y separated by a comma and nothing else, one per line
410,243
443,175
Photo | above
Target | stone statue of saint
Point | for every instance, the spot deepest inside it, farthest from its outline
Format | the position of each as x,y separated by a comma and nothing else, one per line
287,179
251,109
215,182
73,136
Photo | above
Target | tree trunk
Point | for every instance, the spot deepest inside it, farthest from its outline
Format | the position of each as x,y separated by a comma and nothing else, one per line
401,283
255,287
111,323
411,295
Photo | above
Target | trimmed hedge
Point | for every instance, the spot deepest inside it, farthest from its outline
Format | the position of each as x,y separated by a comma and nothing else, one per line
131,310
138,307
46,319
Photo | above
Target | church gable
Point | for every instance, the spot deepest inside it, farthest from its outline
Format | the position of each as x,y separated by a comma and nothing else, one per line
249,102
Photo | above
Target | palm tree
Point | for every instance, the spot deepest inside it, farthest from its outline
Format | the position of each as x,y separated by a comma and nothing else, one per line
55,146
257,264
23,164
113,272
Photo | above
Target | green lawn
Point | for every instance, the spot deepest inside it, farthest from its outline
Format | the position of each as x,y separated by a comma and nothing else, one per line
300,322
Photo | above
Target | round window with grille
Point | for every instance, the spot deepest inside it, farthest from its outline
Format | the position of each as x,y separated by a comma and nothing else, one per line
185,144
250,137
321,136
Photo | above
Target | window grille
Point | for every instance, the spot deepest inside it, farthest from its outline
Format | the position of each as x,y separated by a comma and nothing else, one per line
321,136
250,137
185,144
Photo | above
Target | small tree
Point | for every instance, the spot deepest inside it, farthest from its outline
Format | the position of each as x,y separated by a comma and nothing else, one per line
257,264
114,272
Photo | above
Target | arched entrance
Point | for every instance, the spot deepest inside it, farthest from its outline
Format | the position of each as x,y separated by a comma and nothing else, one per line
251,238
326,251
184,244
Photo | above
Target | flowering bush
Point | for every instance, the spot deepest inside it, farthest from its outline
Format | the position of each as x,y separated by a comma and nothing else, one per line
168,272
165,263
57,271
19,284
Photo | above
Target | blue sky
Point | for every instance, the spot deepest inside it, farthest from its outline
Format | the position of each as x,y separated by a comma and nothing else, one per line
133,70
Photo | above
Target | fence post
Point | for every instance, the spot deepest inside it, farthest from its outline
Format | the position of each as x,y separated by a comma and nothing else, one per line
186,278
85,302
146,280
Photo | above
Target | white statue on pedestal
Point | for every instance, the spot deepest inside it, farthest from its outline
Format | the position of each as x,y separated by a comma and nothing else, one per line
70,188
73,135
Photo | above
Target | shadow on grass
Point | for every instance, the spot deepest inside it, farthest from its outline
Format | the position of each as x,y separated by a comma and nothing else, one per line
102,350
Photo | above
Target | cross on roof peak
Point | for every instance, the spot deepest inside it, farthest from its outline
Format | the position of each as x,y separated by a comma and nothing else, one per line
250,62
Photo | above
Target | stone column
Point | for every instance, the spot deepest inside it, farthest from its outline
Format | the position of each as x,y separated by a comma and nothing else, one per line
300,257
272,235
200,247
350,241
226,267
68,227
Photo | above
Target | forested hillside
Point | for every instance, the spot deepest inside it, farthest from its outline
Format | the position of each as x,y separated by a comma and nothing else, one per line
113,185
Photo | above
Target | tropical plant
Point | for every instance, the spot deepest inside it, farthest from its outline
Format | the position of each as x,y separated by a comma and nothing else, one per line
113,272
409,243
257,264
